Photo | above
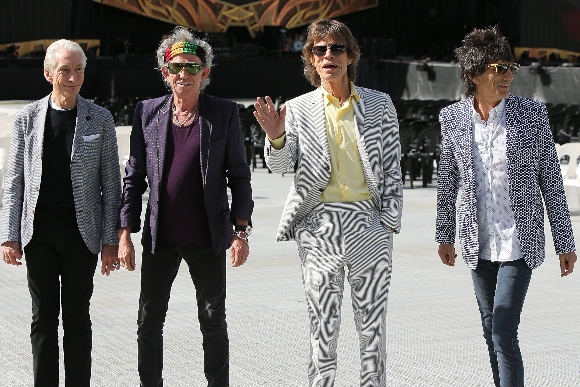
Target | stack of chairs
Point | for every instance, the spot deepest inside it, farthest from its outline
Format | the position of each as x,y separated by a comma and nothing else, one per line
122,109
247,121
254,137
564,122
569,154
420,136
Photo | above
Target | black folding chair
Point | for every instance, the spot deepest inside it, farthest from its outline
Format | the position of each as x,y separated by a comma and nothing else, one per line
409,155
428,149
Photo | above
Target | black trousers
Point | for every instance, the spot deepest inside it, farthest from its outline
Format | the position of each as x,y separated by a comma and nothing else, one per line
208,272
60,271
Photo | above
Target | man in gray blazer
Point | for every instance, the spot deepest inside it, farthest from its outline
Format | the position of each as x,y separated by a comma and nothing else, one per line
346,200
501,146
187,147
60,205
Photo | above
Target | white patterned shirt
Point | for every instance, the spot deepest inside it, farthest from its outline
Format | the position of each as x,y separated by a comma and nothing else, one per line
498,239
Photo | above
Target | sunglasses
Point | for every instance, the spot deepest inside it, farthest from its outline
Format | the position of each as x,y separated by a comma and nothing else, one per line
336,49
176,67
503,68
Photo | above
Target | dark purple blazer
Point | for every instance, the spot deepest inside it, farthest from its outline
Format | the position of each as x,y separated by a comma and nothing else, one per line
222,165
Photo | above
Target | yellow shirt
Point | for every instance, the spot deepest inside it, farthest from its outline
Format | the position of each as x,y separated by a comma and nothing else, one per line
347,181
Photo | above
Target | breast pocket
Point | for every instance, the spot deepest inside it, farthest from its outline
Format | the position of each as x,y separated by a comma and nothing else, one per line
91,148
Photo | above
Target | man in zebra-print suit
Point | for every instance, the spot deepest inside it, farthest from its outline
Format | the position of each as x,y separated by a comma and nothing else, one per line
346,199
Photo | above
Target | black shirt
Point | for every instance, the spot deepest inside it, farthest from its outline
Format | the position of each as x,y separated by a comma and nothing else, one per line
56,186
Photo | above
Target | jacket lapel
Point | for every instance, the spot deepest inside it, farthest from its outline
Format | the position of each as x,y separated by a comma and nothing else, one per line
163,124
464,137
83,118
359,113
511,131
38,130
359,125
204,136
319,123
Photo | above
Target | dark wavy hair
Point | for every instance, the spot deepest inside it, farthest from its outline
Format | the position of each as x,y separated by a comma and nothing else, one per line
479,48
319,30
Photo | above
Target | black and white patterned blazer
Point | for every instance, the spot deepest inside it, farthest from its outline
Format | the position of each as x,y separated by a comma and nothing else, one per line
377,131
95,174
533,172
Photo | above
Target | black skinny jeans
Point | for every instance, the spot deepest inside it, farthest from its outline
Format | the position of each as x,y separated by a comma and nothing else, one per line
208,273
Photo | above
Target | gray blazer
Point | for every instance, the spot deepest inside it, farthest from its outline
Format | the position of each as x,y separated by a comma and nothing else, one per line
307,143
95,174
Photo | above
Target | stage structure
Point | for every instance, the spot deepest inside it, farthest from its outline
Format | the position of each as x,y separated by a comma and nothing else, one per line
218,16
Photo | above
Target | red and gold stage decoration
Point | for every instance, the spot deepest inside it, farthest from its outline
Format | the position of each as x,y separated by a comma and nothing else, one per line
218,16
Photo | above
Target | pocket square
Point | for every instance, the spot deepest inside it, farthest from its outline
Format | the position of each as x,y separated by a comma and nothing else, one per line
91,137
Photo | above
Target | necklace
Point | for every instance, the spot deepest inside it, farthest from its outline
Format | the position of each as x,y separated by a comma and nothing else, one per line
339,100
190,115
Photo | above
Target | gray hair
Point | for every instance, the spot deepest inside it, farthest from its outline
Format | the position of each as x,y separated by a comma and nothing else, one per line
61,45
182,34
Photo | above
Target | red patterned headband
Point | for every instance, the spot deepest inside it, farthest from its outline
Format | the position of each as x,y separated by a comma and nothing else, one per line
184,48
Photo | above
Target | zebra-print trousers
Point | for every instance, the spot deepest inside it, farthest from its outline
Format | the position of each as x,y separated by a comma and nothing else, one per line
332,236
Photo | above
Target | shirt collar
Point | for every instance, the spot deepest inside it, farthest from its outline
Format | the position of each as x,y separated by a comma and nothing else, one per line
53,105
328,97
497,111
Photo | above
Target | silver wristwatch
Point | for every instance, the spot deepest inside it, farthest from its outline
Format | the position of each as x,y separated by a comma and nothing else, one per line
243,232
242,235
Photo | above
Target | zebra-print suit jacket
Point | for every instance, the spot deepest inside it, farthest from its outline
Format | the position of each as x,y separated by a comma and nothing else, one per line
95,174
377,131
533,171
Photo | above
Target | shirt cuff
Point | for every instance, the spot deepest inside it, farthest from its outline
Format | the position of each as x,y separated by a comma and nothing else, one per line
279,142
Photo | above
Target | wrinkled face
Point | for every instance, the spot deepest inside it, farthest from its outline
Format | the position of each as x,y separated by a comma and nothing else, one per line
185,84
68,75
491,86
332,66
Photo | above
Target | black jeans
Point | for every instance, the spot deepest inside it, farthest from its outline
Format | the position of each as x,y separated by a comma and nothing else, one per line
208,272
58,250
500,288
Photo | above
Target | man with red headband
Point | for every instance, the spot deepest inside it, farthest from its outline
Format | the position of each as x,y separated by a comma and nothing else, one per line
188,148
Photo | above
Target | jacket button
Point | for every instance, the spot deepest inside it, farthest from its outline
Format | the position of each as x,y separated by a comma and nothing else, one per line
327,167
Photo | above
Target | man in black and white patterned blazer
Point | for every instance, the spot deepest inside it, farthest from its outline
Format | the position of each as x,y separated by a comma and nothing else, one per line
346,199
502,148
60,205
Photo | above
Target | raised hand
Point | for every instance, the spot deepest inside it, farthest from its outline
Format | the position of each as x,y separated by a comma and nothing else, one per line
269,119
